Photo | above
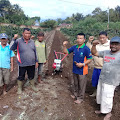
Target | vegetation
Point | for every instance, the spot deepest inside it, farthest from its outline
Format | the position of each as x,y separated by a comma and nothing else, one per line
93,23
90,24
10,31
49,24
14,14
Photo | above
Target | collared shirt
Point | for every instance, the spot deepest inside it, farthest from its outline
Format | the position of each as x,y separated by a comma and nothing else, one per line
110,73
5,55
26,52
80,55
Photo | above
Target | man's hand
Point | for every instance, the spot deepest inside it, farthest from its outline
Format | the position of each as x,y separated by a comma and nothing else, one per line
91,38
65,43
11,69
96,42
79,65
15,36
46,62
32,37
36,65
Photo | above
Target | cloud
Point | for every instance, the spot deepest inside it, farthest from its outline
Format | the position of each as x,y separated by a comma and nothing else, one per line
54,9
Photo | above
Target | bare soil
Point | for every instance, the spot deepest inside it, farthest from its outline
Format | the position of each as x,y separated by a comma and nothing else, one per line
52,101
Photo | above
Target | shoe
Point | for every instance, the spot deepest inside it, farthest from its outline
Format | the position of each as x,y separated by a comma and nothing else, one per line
20,83
32,82
27,83
94,94
39,79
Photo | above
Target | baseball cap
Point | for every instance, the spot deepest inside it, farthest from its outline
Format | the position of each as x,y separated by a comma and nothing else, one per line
115,39
3,36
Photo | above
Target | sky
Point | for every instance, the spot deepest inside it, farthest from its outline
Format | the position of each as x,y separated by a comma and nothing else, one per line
53,9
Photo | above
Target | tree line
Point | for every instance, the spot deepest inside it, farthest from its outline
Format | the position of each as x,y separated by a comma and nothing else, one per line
93,23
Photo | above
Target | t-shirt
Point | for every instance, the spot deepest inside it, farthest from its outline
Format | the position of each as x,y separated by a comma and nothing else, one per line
26,52
110,73
41,51
5,55
80,55
98,61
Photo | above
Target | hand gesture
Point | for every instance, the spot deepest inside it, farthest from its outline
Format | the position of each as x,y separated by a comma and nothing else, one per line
65,43
32,37
91,38
15,36
96,42
79,65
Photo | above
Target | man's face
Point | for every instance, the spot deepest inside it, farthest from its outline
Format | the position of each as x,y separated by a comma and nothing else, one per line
103,39
4,41
40,38
80,39
26,35
115,46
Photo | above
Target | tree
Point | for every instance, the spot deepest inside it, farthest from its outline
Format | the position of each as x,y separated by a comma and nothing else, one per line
4,5
49,23
117,11
78,16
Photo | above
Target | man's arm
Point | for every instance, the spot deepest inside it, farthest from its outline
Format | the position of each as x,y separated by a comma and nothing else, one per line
88,44
64,47
36,59
11,60
93,49
13,44
83,64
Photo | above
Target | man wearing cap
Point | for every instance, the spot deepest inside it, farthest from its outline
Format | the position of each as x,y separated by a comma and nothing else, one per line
109,77
6,57
26,58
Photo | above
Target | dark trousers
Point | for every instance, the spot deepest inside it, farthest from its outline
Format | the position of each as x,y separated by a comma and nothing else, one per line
80,82
30,72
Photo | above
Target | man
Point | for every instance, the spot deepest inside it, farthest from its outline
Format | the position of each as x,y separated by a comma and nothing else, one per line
6,62
81,57
41,54
26,58
109,77
104,44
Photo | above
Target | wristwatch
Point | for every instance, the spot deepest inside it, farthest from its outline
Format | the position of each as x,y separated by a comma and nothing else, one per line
83,64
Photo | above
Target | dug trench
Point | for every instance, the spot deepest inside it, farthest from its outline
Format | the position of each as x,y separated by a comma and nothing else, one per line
52,101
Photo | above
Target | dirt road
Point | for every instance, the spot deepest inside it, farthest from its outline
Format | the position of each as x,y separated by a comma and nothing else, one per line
52,101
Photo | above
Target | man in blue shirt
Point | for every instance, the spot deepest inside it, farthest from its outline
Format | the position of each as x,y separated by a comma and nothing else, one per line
6,57
81,57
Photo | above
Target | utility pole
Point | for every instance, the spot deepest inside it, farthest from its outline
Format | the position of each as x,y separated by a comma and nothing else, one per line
108,18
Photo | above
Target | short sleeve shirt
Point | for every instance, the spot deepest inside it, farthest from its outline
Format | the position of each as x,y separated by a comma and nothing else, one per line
5,55
80,55
41,51
110,73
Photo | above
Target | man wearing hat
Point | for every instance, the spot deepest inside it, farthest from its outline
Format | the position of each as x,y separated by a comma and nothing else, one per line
109,77
6,57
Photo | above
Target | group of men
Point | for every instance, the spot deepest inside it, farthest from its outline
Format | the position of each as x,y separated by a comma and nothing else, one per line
106,74
30,55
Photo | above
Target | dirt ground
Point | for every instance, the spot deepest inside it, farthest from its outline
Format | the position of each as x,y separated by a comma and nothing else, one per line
52,101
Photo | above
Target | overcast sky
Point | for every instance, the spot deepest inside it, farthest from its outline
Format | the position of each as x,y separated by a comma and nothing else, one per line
53,9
